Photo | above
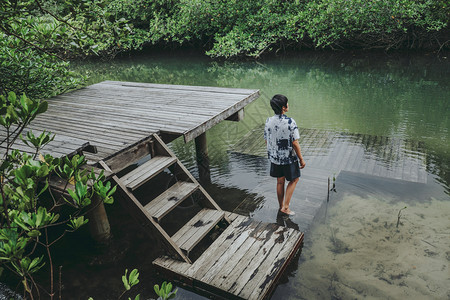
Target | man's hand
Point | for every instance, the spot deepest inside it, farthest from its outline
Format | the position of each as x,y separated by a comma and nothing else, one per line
302,163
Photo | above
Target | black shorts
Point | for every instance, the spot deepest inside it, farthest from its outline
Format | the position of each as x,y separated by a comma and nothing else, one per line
290,171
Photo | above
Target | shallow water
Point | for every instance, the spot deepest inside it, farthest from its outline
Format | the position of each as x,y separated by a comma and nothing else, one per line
355,250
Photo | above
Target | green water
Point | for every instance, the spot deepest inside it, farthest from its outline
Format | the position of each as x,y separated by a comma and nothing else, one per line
396,96
401,96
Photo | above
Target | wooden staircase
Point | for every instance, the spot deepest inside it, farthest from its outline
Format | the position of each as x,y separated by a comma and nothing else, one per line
188,236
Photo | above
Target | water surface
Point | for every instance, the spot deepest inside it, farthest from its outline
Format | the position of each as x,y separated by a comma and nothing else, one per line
354,249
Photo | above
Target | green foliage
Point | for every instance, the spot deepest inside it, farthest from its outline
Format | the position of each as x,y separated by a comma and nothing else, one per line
33,72
374,24
249,28
35,37
130,281
26,214
165,292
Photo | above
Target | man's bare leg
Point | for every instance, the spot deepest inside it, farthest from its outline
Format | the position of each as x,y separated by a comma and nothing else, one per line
280,191
289,191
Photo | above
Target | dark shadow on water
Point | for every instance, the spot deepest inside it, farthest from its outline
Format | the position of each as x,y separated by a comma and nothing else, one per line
285,220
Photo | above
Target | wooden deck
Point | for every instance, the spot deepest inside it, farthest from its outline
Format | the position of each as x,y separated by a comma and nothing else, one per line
243,263
124,125
114,116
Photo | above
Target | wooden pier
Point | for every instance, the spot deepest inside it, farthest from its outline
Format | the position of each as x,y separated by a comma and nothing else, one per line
123,128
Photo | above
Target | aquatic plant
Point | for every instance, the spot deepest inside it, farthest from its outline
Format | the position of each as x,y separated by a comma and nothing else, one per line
130,281
165,292
333,189
399,216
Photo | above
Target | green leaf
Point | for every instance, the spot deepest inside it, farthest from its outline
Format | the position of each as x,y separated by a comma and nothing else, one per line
73,195
77,222
125,281
34,233
43,171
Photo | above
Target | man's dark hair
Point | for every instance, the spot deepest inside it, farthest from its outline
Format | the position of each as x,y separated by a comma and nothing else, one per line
277,102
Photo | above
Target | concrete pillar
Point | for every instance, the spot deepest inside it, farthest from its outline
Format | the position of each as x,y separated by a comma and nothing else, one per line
98,221
201,148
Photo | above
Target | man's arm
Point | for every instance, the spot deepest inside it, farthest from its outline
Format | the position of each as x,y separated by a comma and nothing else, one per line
298,150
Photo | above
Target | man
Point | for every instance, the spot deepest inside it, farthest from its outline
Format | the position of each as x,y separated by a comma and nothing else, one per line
281,135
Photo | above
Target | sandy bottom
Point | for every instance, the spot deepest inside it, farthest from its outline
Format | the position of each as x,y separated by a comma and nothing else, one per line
358,252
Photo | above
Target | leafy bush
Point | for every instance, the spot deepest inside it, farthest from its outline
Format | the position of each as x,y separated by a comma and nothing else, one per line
26,216
37,36
374,24
35,73
249,28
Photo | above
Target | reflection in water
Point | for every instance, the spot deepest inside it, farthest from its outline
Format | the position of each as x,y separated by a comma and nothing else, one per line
284,220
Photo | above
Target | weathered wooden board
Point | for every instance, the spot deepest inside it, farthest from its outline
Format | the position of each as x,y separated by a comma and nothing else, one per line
244,262
146,171
197,228
170,198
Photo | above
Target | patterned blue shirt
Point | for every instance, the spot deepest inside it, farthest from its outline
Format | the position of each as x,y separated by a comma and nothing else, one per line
280,131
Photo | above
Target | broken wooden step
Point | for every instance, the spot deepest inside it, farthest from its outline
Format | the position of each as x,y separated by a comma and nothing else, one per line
147,171
169,199
196,229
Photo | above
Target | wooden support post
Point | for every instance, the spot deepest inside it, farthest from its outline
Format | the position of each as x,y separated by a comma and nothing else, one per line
98,221
237,116
201,148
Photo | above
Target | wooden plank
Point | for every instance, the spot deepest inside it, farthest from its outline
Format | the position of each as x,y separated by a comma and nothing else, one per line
147,171
248,257
220,261
169,199
108,125
276,238
175,266
372,157
107,138
209,203
232,216
67,144
138,211
158,101
398,171
379,167
177,113
422,177
220,246
129,155
149,120
351,156
238,258
264,284
178,87
197,228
